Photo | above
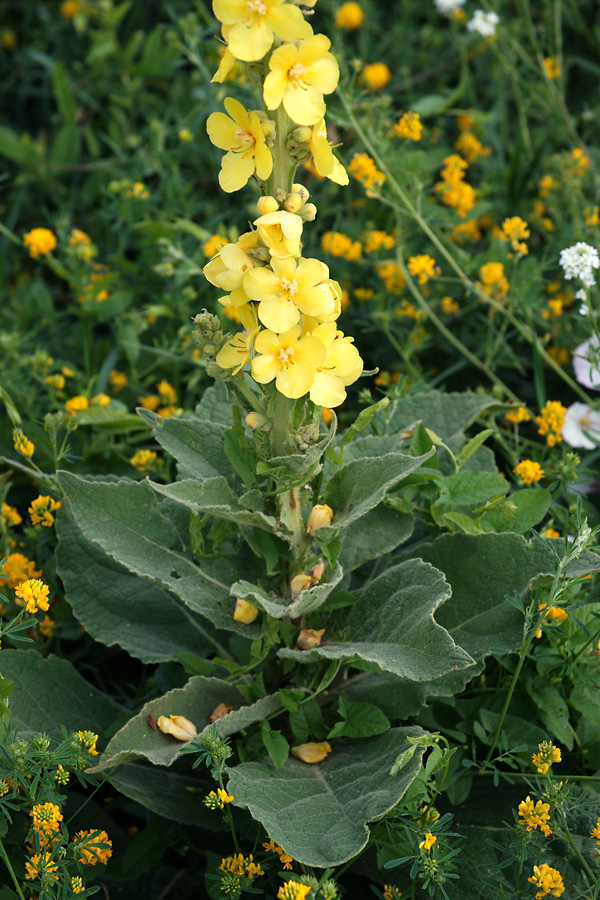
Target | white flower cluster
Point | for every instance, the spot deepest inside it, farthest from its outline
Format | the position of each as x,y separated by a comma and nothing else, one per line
447,7
484,23
579,261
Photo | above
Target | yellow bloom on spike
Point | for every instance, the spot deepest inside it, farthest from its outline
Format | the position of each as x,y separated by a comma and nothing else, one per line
288,358
251,25
429,841
529,471
228,268
33,595
547,755
299,77
326,164
42,509
241,134
287,290
235,353
342,366
376,75
22,444
280,231
178,727
548,880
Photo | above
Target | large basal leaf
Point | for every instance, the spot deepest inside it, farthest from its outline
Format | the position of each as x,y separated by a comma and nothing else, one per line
215,406
319,813
446,414
124,519
392,625
363,483
119,608
214,496
482,569
175,793
281,608
196,701
50,693
378,532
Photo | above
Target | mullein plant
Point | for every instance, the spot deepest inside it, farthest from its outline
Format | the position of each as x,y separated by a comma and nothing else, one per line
291,348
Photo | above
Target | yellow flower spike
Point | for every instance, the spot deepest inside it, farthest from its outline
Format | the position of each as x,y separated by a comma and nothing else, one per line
299,76
10,515
285,290
251,25
409,126
311,752
529,471
319,516
245,611
547,755
421,267
516,416
42,509
87,844
33,595
22,444
178,727
289,359
241,134
293,890
534,815
39,242
548,880
550,422
77,404
342,366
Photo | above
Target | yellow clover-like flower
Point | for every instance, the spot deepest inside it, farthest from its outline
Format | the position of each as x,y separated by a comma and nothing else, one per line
299,77
39,241
288,358
243,136
280,231
286,290
251,25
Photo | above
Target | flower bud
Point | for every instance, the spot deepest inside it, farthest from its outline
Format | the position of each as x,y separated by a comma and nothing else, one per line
266,205
320,515
309,638
302,134
222,710
293,203
300,189
311,752
255,420
178,727
245,612
299,583
308,212
280,195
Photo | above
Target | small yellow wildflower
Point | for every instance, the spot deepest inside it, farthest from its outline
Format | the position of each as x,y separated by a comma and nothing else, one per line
392,277
320,515
42,509
421,267
579,161
546,184
19,569
241,865
41,866
10,515
22,444
33,595
69,9
338,244
516,416
77,404
117,380
167,393
56,381
547,755
77,885
217,799
555,615
534,815
46,626
550,422
271,846
363,168
471,147
212,246
46,817
375,240
551,533
138,191
493,279
596,831
529,471
429,841
454,191
376,75
551,68
92,847
548,880
150,401
449,306
293,890
82,243
87,741
39,241
349,16
185,136
143,459
515,230
61,775
409,310
409,126
466,231
390,892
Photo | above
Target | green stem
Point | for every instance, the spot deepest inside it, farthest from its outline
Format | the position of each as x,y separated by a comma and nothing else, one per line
229,816
290,510
11,870
284,166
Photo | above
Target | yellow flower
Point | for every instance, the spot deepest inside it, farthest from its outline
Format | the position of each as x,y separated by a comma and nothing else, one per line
551,533
33,595
421,267
390,892
375,240
338,244
217,799
280,231
326,164
534,815
69,9
235,353
293,890
363,168
245,612
87,741
429,841
228,268
143,459
320,515
77,885
242,135
19,569
287,290
77,404
288,358
550,421
309,638
93,846
251,25
41,510
299,77
349,16
516,416
529,471
468,230
178,727
117,380
185,136
79,238
471,147
46,817
212,246
551,68
454,191
376,75
492,277
547,755
449,306
342,366
39,241
596,831
10,515
392,277
241,865
409,126
41,866
22,444
311,752
591,215
548,880
138,191
56,381
285,858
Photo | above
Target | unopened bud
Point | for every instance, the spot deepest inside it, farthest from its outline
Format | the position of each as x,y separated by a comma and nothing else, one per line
309,638
293,203
299,583
214,370
300,189
245,612
302,134
255,420
178,727
266,205
308,212
280,195
320,515
312,752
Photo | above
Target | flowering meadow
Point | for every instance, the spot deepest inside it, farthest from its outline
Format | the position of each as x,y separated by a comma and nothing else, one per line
300,430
